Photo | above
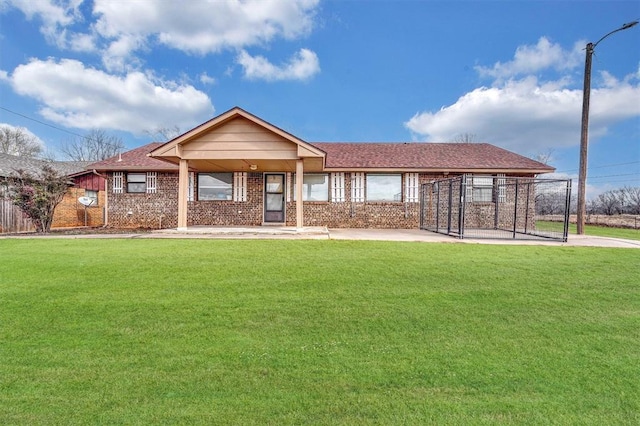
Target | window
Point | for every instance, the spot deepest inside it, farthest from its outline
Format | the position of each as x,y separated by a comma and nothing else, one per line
411,193
357,187
215,186
479,189
315,187
136,182
384,187
337,187
93,195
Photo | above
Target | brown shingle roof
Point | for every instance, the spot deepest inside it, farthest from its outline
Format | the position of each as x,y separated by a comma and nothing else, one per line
390,156
425,156
136,159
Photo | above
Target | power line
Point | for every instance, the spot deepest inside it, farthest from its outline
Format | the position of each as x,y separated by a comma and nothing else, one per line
618,175
43,123
601,167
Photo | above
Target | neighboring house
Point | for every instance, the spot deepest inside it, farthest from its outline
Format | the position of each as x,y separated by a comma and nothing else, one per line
70,212
239,170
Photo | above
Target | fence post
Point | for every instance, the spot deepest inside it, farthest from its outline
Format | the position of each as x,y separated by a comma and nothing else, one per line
422,205
450,209
567,211
496,199
515,210
462,205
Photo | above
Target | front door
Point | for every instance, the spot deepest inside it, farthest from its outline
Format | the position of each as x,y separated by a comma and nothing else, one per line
274,190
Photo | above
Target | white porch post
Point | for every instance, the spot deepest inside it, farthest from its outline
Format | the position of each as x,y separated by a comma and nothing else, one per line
183,193
299,181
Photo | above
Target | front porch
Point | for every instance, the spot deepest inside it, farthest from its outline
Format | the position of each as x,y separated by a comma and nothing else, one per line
240,143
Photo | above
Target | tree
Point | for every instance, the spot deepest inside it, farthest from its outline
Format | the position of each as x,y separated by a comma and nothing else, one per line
97,145
544,157
632,199
163,134
609,202
38,195
19,141
465,138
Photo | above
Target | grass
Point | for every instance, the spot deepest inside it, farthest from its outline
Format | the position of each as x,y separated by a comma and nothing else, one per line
316,332
606,231
595,230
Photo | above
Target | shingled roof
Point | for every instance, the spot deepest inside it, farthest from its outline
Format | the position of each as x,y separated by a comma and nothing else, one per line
9,164
136,159
426,156
417,156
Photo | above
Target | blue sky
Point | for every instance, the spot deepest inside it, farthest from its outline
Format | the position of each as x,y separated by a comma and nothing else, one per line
505,72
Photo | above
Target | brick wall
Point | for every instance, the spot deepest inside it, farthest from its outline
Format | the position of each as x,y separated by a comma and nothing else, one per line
71,214
153,211
227,213
159,210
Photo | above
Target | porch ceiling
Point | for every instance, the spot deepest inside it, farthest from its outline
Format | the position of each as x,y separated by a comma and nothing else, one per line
244,165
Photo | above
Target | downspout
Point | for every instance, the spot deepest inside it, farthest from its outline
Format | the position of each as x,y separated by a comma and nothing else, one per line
105,209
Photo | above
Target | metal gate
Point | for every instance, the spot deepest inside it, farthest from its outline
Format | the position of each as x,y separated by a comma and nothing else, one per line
473,206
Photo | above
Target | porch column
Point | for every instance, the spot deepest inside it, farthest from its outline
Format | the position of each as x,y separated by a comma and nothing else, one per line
299,181
183,194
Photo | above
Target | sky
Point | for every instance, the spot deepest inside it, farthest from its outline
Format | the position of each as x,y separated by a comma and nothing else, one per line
509,73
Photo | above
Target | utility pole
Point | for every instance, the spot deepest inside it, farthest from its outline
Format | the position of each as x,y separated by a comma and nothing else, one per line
584,134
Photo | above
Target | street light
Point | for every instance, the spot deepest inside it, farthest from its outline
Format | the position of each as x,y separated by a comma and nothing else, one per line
584,135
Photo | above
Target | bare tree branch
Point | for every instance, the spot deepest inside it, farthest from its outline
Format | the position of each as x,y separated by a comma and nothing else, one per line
465,138
164,134
97,145
18,141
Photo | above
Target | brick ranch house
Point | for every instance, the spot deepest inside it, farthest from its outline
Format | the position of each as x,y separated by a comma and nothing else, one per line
239,170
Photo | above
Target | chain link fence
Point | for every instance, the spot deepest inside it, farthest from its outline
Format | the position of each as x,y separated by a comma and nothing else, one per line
497,207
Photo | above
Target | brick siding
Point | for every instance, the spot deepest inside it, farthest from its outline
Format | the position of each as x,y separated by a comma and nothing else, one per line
71,214
152,211
159,210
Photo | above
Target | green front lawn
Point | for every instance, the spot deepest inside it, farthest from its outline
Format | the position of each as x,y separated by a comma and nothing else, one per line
316,332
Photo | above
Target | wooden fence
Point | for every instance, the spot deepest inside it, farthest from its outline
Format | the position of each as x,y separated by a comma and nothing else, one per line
12,220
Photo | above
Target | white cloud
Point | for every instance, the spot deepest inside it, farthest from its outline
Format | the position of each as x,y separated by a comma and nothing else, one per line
206,79
528,114
85,98
123,28
55,16
530,59
199,26
302,66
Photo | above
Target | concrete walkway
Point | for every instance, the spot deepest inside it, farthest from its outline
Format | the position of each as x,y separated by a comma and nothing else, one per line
416,235
322,233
